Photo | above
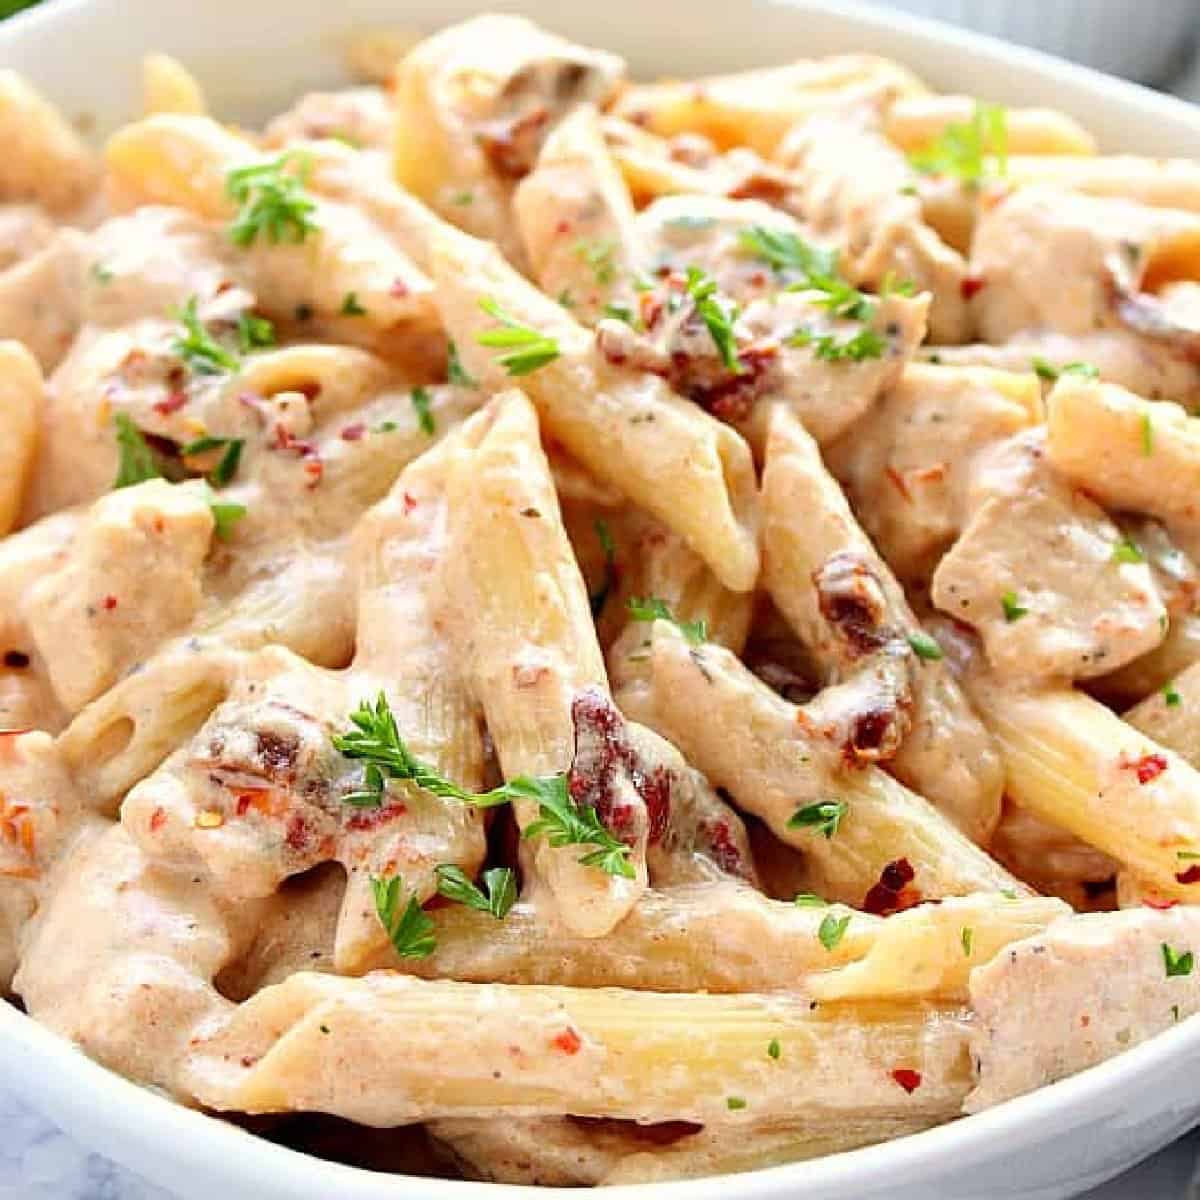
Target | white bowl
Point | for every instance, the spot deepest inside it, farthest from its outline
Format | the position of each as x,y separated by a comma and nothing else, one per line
252,58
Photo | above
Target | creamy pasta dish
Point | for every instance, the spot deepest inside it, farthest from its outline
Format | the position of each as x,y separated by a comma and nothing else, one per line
563,630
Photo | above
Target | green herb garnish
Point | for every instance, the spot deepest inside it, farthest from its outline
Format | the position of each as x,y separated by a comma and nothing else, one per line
409,929
825,817
527,350
1127,551
197,347
271,200
137,462
967,149
500,884
1012,610
420,403
227,465
924,647
717,315
832,930
1176,962
351,307
599,598
651,608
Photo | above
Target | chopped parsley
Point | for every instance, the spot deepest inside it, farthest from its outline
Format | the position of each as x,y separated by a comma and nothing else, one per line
225,517
1176,962
832,930
462,199
825,817
455,372
102,274
774,1049
826,346
254,332
717,315
526,350
963,148
814,269
271,200
376,741
925,647
136,462
500,886
809,900
351,307
1147,434
1171,696
599,598
227,464
734,1103
409,929
622,312
203,354
599,256
651,608
1127,551
1049,372
967,937
420,403
1012,610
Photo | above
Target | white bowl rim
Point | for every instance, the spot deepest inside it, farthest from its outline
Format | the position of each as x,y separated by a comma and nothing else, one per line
200,1138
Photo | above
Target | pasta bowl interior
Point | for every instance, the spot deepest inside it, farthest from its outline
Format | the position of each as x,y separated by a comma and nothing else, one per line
558,629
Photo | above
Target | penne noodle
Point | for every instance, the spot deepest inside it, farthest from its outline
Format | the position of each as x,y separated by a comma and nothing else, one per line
628,428
1158,182
776,759
21,399
1076,764
168,87
809,533
592,1051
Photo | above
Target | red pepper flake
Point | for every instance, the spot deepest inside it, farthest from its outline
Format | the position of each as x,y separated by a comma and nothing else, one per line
173,403
399,289
562,228
568,1041
971,285
353,433
368,819
1191,875
908,1080
897,481
1085,1021
1148,767
314,469
410,502
892,893
158,818
110,602
1158,903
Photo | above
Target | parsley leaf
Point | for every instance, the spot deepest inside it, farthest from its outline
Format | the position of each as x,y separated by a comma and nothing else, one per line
376,741
967,936
599,598
351,307
832,930
409,929
527,349
137,461
863,345
734,1103
227,465
1176,962
774,1049
825,817
455,372
963,148
651,608
809,900
816,270
225,517
1147,434
718,317
925,647
599,256
1171,696
197,347
1127,551
566,823
272,200
1012,610
420,402
1049,372
500,882
254,332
